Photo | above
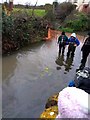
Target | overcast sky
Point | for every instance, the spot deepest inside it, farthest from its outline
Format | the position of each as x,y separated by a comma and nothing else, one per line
32,2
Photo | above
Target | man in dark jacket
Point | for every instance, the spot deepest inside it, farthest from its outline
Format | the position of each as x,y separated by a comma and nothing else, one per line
85,51
62,40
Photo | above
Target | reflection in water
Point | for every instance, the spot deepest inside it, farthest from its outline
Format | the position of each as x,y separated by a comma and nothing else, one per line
9,64
12,62
68,64
62,62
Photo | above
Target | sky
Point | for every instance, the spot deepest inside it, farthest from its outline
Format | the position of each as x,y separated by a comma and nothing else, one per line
32,2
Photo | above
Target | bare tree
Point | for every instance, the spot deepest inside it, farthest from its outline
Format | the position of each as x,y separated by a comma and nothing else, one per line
34,8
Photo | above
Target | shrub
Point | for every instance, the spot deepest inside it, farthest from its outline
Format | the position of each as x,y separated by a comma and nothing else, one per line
70,30
64,9
80,23
21,30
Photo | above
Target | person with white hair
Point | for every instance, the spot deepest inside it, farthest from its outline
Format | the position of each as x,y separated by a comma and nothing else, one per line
73,101
73,43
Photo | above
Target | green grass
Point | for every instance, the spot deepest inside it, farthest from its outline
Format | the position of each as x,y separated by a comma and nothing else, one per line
70,30
37,12
40,13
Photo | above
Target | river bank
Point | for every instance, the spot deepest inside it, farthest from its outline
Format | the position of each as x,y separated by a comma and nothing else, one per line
9,47
55,34
19,31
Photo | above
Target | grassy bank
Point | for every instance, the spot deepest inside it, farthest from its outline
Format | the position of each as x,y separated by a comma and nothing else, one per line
37,12
80,22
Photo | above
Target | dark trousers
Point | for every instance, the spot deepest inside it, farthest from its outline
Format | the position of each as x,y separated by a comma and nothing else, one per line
84,57
71,50
61,47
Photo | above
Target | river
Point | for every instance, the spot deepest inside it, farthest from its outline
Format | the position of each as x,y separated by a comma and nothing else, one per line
32,75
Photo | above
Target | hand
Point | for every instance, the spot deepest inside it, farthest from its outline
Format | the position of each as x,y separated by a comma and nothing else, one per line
75,45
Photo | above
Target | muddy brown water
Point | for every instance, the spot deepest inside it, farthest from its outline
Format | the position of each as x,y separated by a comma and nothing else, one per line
31,75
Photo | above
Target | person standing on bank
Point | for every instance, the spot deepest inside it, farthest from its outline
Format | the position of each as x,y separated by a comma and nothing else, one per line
73,43
62,40
85,51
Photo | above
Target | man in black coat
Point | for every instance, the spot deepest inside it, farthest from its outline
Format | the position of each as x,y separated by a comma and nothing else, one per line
85,51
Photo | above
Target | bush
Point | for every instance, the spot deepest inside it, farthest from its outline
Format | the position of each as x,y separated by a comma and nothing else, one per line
80,23
21,30
70,30
64,9
7,26
88,22
48,7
